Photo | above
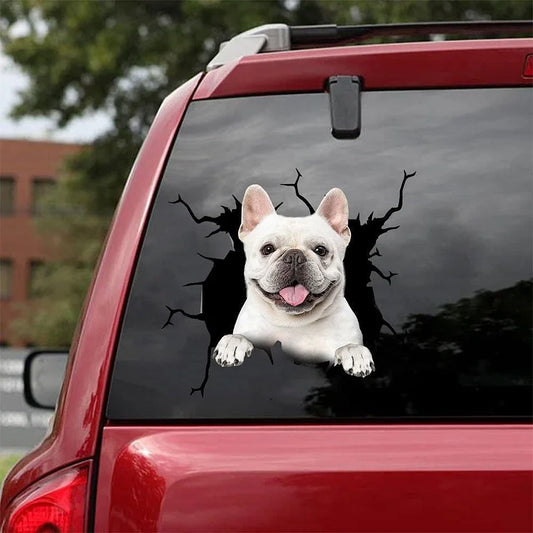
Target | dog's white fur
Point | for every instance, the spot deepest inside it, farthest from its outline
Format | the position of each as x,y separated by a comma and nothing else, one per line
323,327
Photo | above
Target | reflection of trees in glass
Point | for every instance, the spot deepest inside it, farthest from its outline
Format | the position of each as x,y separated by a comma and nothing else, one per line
495,323
473,357
225,282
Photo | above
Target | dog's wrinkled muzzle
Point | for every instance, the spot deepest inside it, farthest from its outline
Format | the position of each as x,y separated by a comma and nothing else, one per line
295,293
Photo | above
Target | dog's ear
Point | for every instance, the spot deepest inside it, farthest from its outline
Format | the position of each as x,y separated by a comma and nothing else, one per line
334,208
256,205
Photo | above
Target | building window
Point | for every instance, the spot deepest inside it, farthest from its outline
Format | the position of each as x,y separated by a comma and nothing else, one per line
41,189
7,195
34,286
6,279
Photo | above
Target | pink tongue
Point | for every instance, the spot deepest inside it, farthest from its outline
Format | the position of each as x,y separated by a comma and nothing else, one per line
294,295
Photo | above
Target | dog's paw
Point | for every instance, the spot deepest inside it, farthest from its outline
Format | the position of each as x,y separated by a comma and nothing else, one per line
356,360
232,349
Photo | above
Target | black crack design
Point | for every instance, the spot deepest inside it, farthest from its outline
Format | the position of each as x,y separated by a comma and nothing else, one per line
225,281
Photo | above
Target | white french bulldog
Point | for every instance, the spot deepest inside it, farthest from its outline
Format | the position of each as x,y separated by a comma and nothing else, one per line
294,277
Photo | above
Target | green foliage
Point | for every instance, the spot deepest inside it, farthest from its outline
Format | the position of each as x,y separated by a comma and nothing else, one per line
6,464
75,229
123,57
389,11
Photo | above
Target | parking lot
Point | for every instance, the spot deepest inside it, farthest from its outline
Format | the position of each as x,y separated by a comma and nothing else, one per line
21,427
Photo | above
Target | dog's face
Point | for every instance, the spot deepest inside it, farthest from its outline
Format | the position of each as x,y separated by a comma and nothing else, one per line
294,263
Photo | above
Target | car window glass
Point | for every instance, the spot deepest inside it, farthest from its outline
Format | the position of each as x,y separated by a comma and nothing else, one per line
438,269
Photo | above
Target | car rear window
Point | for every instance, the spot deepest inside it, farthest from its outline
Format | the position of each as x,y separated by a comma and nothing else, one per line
438,270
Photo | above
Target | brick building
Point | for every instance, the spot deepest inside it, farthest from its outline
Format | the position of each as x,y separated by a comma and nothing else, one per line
28,170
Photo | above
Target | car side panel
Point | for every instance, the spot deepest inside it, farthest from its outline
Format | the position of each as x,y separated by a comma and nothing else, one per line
316,478
78,417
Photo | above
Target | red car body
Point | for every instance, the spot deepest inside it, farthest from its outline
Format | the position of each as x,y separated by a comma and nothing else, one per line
346,477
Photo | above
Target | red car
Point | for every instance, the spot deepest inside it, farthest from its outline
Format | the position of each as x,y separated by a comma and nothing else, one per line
163,426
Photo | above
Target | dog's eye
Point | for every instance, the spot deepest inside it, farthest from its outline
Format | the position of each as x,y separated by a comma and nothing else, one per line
267,249
321,251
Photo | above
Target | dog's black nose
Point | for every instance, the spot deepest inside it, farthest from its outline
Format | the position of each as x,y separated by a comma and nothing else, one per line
294,257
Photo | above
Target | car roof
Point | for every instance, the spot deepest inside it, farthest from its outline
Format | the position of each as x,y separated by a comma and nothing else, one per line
281,37
416,65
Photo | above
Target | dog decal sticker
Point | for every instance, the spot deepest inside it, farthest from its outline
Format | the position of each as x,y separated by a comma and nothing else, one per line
284,281
295,280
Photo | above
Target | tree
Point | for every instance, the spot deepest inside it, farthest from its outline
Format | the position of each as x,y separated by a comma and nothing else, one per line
124,57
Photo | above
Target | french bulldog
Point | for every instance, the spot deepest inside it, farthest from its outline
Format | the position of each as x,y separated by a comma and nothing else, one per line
295,282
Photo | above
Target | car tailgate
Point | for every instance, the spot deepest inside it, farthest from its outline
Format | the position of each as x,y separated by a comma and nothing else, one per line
315,478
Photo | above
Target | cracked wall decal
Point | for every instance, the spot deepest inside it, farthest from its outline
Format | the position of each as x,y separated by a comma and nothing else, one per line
225,281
